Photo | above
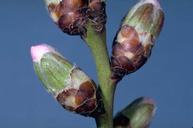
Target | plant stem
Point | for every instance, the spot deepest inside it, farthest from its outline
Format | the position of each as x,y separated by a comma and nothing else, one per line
97,43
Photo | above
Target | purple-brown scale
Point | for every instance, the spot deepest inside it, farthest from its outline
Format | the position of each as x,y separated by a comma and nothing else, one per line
70,16
128,52
82,100
97,14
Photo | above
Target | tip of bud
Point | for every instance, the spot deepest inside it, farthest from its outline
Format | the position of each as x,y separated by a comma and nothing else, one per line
154,2
147,100
38,51
52,1
150,101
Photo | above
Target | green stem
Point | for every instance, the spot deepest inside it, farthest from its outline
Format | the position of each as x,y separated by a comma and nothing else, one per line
97,43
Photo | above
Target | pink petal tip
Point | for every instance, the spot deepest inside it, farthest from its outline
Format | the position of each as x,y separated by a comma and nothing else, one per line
38,51
148,100
154,2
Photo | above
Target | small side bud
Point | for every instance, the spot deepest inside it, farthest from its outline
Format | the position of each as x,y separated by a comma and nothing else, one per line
134,41
71,87
69,15
97,14
137,115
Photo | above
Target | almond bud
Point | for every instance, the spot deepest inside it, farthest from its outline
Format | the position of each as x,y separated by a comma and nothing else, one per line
69,15
74,16
137,115
71,87
134,41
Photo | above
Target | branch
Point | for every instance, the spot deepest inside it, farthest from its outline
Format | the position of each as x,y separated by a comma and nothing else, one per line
97,43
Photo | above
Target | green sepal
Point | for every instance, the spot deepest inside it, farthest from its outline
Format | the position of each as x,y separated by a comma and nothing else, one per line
145,18
54,71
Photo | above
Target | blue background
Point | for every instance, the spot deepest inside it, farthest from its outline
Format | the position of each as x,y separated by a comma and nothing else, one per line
167,77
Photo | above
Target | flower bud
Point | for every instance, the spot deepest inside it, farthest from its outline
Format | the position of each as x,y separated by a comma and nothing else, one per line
134,41
71,87
69,15
73,16
137,115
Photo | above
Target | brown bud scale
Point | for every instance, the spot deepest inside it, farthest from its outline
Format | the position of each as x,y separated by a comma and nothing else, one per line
121,121
70,16
81,98
73,23
97,14
129,54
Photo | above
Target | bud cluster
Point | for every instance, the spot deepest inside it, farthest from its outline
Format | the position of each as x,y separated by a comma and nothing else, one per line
132,46
72,16
134,41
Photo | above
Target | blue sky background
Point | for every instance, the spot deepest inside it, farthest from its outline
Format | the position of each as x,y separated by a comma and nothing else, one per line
167,77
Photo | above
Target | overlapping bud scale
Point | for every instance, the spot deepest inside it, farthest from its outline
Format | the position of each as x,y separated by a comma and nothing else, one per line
73,16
